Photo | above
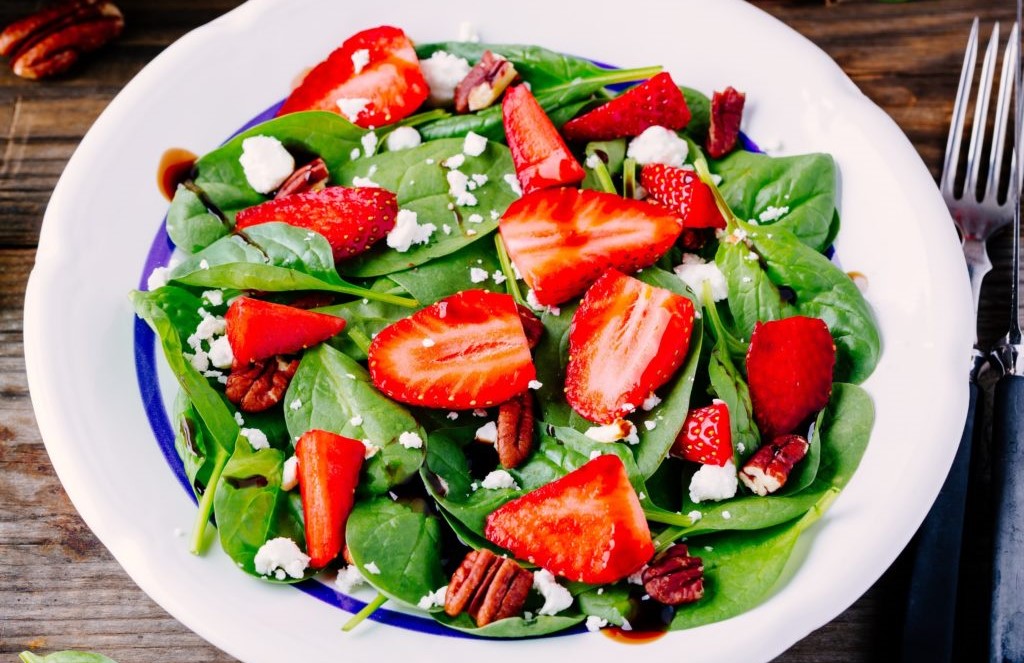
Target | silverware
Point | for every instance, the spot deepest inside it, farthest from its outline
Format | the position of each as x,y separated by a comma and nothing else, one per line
978,213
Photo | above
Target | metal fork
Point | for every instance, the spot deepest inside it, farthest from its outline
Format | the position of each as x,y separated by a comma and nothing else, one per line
978,214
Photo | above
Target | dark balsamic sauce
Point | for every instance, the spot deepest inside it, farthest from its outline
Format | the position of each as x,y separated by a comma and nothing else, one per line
174,169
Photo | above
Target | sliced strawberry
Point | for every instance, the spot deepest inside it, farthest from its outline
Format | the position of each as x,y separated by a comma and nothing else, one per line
328,473
726,115
655,102
587,526
682,192
376,66
789,369
561,240
466,351
352,220
706,436
257,329
539,154
627,338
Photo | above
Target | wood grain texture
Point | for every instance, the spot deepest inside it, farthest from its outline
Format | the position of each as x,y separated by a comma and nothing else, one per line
60,588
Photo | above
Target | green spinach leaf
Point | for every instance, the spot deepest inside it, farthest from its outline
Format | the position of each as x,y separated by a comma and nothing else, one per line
447,275
513,627
65,657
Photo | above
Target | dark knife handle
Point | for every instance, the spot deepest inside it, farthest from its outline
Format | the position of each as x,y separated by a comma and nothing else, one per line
931,602
1007,635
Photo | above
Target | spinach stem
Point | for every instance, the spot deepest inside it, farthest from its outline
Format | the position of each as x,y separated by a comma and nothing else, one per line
604,178
206,506
668,518
375,296
511,283
370,608
629,178
359,338
612,77
668,536
732,344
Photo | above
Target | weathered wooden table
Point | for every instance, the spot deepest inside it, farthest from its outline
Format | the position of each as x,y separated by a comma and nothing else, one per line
61,589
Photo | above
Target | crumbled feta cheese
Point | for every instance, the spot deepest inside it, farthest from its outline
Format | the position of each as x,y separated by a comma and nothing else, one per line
595,454
410,440
220,353
632,438
593,161
280,556
499,479
726,515
498,277
210,327
452,416
556,597
714,483
371,449
694,516
651,402
434,599
479,412
458,189
595,623
772,213
257,438
371,567
513,183
475,218
613,432
352,108
369,143
455,161
296,404
477,275
695,273
531,299
349,578
239,420
658,145
650,425
290,473
488,433
356,420
443,72
638,577
535,384
403,138
480,179
408,232
355,153
265,162
474,144
470,233
446,229
157,278
214,297
360,59
200,361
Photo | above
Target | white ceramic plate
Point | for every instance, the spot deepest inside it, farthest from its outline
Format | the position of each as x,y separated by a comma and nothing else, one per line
105,213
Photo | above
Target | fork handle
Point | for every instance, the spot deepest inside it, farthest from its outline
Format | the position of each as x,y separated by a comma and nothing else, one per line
978,265
931,602
1007,635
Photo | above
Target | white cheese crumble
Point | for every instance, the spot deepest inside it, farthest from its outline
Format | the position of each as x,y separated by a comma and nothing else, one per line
296,404
204,264
513,183
593,161
157,278
434,599
290,473
356,420
281,557
531,299
214,297
257,438
200,361
613,432
452,416
726,515
475,218
535,384
477,275
480,179
443,72
595,623
650,425
488,433
220,353
403,138
695,273
638,577
265,162
498,277
360,59
714,483
369,143
408,231
458,185
446,229
371,567
658,145
772,213
694,516
371,449
410,440
556,597
499,479
455,161
474,145
651,402
355,153
353,108
349,578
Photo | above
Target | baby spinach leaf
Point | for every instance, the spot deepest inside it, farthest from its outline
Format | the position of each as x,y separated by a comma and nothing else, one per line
364,318
333,392
468,537
550,358
805,472
730,387
752,295
612,153
65,657
512,627
804,186
612,602
447,275
401,543
700,113
418,177
573,450
251,508
191,223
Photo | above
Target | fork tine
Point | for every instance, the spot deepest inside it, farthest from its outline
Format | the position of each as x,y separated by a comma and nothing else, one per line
956,125
977,144
1003,115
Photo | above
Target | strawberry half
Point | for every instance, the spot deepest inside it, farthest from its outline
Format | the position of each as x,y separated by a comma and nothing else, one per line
539,154
352,219
374,76
257,329
626,339
587,526
682,192
328,473
789,369
706,436
466,351
657,101
726,115
562,240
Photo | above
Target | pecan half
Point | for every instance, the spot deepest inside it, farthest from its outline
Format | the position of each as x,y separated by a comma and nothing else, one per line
261,385
768,469
484,83
674,577
488,587
311,177
515,430
50,42
532,326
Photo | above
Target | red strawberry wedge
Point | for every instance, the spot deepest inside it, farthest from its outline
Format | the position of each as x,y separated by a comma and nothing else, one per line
352,220
706,436
328,473
682,192
789,369
539,154
626,339
562,240
587,526
655,102
257,329
372,79
726,115
466,351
